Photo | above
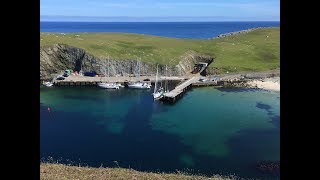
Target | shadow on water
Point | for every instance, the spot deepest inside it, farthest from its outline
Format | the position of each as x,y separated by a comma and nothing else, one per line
256,140
137,146
235,89
76,138
263,106
146,149
275,119
82,97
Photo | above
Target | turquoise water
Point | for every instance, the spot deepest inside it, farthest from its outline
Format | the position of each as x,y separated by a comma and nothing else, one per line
208,131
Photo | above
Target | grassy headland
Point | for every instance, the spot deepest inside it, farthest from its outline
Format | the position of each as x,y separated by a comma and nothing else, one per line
60,171
257,50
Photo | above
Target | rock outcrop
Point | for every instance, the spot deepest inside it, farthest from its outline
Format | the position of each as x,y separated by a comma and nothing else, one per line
239,32
56,58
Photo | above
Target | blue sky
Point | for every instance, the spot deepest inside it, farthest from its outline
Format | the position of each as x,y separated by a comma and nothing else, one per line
160,10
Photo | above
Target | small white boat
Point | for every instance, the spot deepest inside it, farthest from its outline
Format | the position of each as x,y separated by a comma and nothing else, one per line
120,85
111,85
157,92
48,84
139,85
108,85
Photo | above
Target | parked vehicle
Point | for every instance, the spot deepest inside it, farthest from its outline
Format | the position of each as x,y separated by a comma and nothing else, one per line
215,79
67,73
203,79
91,74
60,78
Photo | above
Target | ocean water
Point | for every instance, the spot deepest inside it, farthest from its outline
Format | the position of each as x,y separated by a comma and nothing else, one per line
208,131
193,30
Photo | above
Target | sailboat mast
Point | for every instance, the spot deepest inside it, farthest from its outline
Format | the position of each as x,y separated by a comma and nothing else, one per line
136,69
155,84
108,67
139,67
166,83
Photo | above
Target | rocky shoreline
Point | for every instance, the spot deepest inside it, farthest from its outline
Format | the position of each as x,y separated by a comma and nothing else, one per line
56,58
238,32
268,80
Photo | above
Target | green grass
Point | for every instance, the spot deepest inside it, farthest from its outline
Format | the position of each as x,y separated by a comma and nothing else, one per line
257,50
60,171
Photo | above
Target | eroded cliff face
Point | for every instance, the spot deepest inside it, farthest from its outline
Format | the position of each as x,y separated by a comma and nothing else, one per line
56,58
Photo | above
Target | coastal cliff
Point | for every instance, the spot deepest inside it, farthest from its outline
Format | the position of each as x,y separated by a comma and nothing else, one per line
54,59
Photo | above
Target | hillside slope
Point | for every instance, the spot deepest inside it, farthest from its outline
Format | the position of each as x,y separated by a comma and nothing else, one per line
255,50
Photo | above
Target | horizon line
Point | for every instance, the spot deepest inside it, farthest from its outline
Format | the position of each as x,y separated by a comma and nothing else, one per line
63,18
166,21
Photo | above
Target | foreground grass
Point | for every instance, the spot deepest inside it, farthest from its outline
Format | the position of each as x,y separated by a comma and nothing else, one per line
257,50
60,171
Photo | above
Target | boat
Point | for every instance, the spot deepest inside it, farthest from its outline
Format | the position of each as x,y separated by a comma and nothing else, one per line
120,85
48,84
139,84
108,85
157,92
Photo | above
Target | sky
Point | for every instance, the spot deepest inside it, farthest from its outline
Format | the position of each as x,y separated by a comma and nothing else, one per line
159,10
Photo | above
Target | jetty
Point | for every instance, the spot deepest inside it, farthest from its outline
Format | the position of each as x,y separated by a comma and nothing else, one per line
198,72
93,81
179,90
193,78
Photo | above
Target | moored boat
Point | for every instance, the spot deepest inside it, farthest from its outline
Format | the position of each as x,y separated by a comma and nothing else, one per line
108,85
48,84
139,85
158,91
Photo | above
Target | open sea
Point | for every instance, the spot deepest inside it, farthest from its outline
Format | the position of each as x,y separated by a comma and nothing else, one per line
193,30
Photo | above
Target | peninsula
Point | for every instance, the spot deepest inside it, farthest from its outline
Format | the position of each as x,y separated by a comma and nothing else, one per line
249,51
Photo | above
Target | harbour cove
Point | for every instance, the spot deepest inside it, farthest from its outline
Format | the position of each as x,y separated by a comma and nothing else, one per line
201,99
209,131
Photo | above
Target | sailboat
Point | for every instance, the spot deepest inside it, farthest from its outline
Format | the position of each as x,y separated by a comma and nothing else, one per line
108,85
166,89
48,84
139,84
158,91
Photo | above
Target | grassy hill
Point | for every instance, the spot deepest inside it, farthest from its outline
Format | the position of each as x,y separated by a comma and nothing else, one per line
257,50
60,171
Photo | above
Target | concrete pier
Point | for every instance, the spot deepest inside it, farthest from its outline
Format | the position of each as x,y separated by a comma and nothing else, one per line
93,81
179,90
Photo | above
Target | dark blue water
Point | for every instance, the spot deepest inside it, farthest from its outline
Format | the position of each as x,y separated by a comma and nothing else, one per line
209,131
194,30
